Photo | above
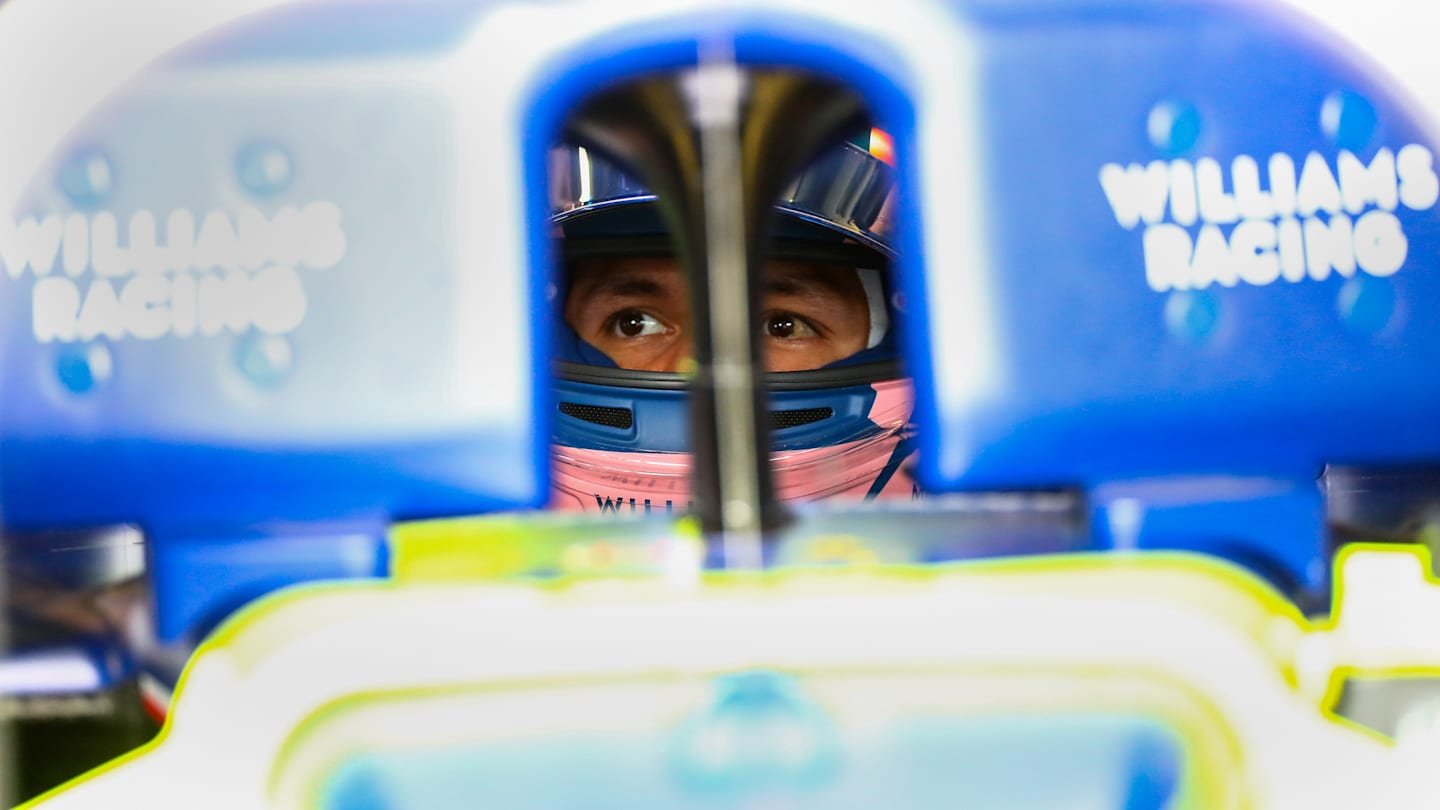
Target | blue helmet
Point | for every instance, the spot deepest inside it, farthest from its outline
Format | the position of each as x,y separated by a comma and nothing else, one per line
621,439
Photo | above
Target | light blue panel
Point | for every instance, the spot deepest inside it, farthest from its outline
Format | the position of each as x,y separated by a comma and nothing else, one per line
765,744
294,332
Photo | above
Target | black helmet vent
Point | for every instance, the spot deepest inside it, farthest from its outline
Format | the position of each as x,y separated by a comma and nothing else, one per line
779,420
621,418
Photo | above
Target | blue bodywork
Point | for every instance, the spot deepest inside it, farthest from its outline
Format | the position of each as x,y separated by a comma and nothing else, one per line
1162,340
1190,401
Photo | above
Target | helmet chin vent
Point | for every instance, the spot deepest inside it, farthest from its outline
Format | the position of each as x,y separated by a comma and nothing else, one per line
779,420
624,418
621,418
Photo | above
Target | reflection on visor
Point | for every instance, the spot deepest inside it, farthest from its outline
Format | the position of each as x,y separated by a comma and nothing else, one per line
844,191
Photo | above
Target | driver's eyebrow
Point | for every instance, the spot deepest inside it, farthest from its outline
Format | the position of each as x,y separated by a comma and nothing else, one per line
808,283
625,285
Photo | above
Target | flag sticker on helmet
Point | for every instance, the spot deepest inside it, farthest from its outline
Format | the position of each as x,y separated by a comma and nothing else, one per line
881,146
231,273
1326,217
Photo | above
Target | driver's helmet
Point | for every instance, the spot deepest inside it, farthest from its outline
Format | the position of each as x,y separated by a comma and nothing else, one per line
839,406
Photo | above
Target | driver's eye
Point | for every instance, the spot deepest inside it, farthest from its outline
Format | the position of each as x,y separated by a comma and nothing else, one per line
788,326
634,323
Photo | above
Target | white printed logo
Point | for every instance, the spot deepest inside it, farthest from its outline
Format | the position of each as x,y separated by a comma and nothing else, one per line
1276,232
235,272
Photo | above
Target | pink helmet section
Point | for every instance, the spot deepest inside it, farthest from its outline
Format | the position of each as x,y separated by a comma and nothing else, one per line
647,482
